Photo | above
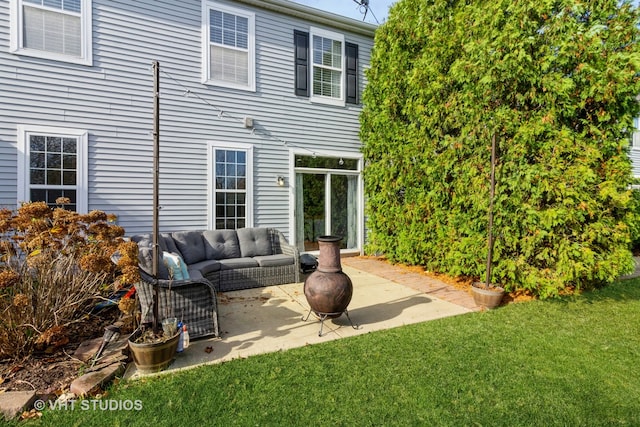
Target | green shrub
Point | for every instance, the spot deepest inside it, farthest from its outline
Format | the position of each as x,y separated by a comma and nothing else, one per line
556,82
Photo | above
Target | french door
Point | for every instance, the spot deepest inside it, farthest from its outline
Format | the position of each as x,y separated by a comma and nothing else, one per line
326,201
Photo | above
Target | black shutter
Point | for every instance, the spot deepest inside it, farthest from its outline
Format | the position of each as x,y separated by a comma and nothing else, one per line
352,72
301,43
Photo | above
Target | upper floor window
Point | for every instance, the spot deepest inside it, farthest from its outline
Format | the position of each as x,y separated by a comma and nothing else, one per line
326,67
228,46
52,163
327,54
52,29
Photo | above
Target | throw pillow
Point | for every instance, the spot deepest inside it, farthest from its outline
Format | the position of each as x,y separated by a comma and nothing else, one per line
176,265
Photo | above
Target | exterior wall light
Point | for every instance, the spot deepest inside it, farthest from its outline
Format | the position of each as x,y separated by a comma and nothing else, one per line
280,180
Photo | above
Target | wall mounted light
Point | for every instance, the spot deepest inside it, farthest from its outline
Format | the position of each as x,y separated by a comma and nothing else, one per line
280,180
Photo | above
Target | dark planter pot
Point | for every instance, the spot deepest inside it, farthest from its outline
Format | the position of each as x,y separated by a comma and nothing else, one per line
487,298
153,357
328,290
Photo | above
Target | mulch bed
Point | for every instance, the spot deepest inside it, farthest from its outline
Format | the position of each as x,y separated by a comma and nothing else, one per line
463,283
50,372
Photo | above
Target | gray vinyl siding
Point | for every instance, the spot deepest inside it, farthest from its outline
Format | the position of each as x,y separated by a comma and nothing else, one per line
112,100
8,149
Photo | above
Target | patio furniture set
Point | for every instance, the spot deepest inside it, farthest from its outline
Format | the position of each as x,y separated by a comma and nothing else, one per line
197,264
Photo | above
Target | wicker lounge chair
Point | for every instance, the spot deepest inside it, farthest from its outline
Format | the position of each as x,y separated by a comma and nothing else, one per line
192,301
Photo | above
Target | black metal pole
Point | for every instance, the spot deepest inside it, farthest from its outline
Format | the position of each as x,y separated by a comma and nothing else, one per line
493,190
156,177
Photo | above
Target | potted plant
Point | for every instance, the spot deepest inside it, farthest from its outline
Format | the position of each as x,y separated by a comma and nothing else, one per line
487,294
152,347
152,352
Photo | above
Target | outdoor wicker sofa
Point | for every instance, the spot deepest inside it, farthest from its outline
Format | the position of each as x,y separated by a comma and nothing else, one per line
213,260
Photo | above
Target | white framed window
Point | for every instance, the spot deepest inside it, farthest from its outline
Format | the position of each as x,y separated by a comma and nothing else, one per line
52,163
228,55
635,137
52,29
327,67
230,186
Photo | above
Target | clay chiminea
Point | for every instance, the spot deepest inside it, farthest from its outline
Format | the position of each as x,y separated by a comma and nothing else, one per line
328,289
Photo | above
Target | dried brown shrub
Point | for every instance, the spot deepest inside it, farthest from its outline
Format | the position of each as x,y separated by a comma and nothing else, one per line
53,265
8,278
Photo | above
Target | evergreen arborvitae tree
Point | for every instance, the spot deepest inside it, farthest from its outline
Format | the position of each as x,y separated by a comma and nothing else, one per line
557,83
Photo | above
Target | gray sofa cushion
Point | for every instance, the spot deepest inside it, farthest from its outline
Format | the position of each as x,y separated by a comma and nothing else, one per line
205,267
194,274
221,244
274,260
191,246
145,241
234,263
145,244
254,242
145,255
167,244
145,260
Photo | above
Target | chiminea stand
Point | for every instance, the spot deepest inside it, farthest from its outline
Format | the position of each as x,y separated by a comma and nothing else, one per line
324,316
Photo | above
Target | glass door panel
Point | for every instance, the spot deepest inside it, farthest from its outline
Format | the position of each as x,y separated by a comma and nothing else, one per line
310,210
344,209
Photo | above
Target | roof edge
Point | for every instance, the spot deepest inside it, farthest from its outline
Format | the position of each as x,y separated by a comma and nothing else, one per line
315,15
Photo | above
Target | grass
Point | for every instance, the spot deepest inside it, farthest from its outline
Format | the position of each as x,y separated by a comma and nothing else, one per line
572,361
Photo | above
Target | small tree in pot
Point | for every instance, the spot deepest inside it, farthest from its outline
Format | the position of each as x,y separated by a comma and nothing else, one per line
486,294
155,350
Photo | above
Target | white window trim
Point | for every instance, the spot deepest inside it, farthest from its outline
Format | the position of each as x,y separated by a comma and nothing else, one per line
211,175
635,135
16,39
334,36
82,174
635,140
206,51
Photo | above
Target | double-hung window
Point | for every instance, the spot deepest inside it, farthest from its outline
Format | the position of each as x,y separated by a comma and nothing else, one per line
228,46
52,163
325,67
231,167
52,29
327,62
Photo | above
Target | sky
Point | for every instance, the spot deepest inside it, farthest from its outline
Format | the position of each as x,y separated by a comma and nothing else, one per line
352,8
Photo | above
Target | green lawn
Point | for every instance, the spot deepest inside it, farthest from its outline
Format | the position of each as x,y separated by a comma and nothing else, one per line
570,362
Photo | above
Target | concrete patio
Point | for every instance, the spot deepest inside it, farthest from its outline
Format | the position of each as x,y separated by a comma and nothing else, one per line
269,319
